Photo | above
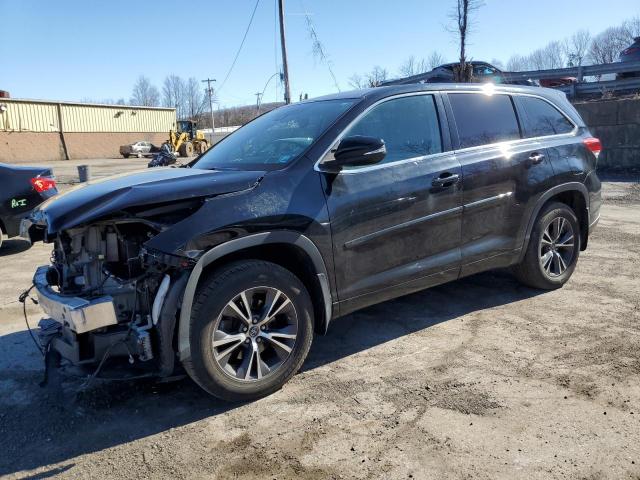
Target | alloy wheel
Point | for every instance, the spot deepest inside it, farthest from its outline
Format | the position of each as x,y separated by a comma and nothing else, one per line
255,333
557,247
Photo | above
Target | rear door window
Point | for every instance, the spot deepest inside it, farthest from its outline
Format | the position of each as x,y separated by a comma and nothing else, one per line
408,125
483,119
543,118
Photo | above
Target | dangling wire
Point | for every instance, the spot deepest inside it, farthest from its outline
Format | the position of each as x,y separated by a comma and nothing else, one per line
317,46
23,299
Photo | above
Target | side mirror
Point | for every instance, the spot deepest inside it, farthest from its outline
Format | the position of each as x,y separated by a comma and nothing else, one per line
357,151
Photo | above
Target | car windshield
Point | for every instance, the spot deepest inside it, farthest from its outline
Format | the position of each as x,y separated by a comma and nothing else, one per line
274,139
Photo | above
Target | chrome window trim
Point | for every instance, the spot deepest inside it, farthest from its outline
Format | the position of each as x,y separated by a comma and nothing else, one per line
517,142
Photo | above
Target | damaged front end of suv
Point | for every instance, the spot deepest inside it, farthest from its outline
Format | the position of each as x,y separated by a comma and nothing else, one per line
108,295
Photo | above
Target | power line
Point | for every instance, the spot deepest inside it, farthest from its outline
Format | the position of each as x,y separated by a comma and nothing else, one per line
239,48
275,41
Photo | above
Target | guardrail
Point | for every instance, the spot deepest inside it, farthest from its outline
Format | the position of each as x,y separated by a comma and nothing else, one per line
579,73
571,89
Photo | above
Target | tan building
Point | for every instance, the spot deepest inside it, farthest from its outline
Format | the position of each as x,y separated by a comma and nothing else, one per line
35,130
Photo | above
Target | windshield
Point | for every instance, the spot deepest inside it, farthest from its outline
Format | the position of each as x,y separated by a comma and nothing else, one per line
274,139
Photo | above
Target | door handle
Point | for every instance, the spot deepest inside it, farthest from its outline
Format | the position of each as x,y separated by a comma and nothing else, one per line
446,180
536,158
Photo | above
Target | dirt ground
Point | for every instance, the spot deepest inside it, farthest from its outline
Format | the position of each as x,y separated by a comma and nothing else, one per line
480,378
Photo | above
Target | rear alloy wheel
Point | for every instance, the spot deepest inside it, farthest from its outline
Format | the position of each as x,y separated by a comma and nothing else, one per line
251,329
553,250
557,247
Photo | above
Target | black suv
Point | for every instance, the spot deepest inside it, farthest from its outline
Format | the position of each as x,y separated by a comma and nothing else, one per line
229,264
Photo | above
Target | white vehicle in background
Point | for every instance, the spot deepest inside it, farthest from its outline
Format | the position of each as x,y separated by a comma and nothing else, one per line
138,149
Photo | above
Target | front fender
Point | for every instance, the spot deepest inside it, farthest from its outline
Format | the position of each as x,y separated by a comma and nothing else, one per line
264,238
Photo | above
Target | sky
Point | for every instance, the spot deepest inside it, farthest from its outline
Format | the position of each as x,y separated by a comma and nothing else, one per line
72,50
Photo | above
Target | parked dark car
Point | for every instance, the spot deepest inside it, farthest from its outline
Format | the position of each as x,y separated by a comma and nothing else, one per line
631,54
22,189
483,72
310,212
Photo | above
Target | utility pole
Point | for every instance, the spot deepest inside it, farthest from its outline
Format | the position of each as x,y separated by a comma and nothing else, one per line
285,67
210,92
258,98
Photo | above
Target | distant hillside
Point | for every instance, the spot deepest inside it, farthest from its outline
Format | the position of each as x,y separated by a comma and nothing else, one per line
229,117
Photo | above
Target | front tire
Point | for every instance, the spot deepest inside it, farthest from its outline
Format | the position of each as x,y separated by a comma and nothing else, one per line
186,149
251,330
553,250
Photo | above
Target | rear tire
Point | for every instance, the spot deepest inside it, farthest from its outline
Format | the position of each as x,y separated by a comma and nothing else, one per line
240,355
553,249
203,147
139,154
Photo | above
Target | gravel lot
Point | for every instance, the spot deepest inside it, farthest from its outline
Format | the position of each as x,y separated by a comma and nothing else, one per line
481,378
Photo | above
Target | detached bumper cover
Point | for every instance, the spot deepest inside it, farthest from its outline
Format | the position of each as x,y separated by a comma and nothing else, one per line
78,314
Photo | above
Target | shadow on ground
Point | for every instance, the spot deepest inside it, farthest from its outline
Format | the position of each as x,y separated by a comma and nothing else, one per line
42,427
14,246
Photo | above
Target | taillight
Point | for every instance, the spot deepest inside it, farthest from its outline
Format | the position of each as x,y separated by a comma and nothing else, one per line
594,145
42,184
630,50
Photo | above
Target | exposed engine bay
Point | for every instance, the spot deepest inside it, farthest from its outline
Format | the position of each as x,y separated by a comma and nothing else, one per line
103,296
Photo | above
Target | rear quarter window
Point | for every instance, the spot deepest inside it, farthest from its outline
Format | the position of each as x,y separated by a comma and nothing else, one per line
483,119
542,118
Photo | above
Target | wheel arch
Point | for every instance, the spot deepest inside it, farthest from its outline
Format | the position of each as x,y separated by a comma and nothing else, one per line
289,249
573,194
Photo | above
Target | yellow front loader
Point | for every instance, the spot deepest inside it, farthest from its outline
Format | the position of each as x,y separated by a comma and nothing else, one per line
187,140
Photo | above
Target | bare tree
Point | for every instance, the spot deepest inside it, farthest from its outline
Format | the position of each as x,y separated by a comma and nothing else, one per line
462,16
408,67
537,59
632,28
412,66
194,98
173,95
497,63
434,60
144,93
376,76
518,63
104,101
357,81
554,53
547,57
607,45
576,48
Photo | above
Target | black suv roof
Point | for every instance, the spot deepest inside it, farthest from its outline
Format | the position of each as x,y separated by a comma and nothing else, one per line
387,90
374,94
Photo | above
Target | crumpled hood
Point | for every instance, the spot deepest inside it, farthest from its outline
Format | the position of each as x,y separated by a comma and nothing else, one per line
85,203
